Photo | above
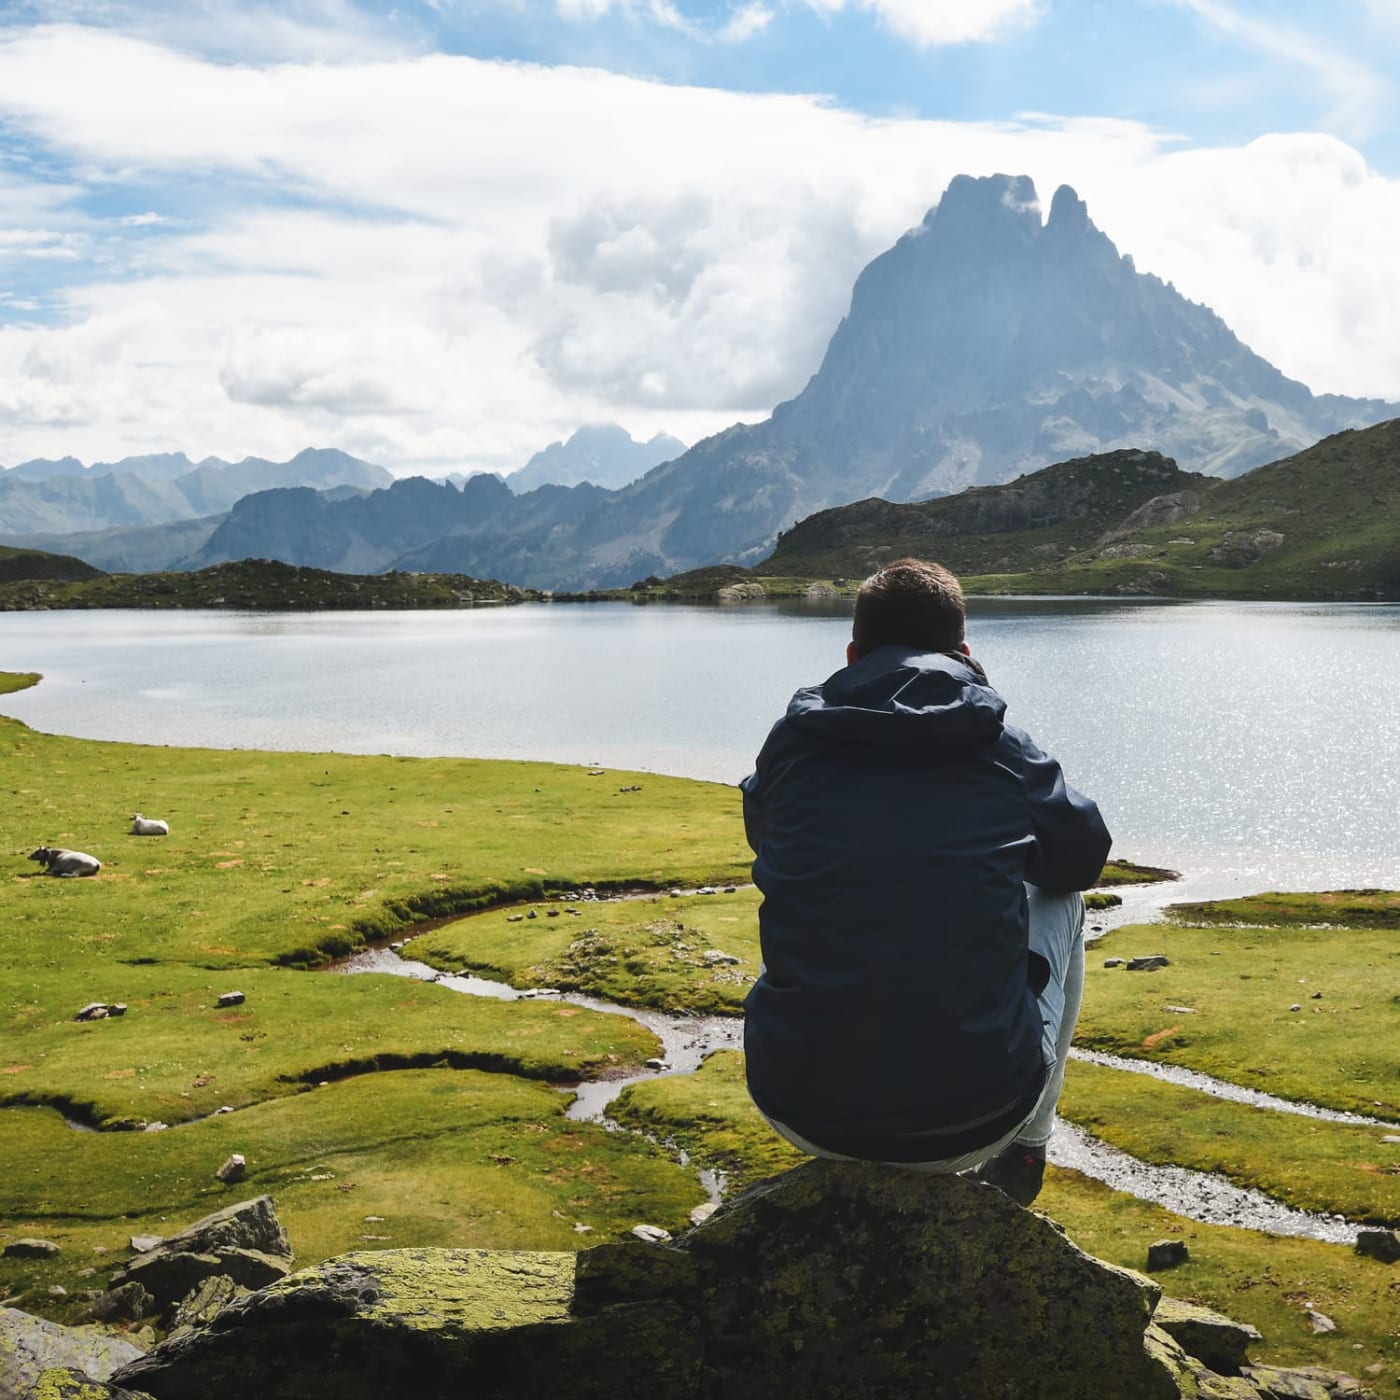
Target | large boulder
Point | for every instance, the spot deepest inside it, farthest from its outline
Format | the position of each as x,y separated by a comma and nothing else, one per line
30,1346
243,1242
831,1282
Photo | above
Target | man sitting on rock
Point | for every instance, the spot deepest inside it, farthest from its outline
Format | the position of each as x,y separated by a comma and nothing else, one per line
922,930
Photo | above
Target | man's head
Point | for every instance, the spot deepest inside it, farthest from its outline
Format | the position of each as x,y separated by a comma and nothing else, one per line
909,603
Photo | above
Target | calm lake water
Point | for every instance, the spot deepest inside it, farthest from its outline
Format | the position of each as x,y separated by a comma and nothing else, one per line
1254,745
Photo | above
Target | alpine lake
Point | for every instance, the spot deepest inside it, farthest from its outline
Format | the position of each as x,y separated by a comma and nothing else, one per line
335,781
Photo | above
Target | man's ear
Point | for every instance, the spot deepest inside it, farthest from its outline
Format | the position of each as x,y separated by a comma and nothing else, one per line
852,655
964,648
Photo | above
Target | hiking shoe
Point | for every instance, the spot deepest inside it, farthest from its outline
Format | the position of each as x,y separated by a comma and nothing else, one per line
1017,1170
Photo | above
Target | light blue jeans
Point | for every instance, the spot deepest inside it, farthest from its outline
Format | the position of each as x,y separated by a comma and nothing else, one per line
1057,934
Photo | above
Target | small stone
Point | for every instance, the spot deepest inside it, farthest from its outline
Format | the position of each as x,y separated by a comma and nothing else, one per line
231,999
223,1108
156,1127
30,1249
551,913
651,1234
514,918
57,1290
1148,964
655,1064
1167,1254
235,1169
1390,1137
712,957
1295,1007
1113,962
93,1011
396,947
675,894
731,889
701,1213
118,1008
1317,996
1180,1010
142,1243
1379,1244
532,915
581,1229
1320,1322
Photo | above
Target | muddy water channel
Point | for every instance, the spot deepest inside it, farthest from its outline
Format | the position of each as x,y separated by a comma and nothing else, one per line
687,1040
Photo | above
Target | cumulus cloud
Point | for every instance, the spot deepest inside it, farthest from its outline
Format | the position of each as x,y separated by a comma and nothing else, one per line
937,22
477,257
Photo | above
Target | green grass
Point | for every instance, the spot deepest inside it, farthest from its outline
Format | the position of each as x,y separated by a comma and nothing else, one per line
646,952
11,681
446,1158
1351,908
1331,1168
176,1055
1250,1276
285,858
280,861
1337,1050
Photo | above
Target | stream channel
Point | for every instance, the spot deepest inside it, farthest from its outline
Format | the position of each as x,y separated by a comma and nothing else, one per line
686,1040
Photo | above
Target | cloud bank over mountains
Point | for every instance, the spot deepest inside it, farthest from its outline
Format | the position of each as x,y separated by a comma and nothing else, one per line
439,262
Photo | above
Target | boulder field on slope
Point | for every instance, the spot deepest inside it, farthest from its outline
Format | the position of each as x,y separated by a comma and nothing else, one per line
831,1281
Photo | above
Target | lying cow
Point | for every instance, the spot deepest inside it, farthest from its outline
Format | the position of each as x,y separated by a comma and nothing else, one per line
148,826
57,861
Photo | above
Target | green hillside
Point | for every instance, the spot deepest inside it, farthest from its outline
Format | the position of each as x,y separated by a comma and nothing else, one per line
1322,524
250,583
19,564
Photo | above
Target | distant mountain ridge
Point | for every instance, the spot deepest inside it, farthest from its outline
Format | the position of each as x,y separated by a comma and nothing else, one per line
1323,523
984,344
603,454
57,498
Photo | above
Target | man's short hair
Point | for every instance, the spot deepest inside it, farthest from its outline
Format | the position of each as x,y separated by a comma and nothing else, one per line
912,603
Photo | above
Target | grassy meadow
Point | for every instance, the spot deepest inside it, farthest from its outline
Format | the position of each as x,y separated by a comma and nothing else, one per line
384,1112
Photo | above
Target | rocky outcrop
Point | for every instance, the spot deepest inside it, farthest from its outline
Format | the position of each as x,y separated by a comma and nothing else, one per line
830,1282
244,1243
29,1346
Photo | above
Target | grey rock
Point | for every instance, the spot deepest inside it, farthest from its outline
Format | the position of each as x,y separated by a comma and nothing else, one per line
1320,1322
93,1011
245,1241
128,1303
1379,1244
1209,1336
1149,964
832,1281
117,1008
1167,1254
32,1345
233,1170
30,1249
1113,962
713,957
204,1302
650,1234
231,999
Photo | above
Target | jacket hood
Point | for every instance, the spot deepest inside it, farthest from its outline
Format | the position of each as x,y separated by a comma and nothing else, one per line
902,698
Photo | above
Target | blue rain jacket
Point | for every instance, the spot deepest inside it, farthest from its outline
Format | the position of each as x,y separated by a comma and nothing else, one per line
895,819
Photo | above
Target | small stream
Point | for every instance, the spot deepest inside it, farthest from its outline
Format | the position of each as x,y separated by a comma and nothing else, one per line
687,1040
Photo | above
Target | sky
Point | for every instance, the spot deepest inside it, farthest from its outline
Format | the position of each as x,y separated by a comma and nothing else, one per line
441,234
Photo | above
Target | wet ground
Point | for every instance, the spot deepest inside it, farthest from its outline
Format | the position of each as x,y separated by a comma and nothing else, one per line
686,1040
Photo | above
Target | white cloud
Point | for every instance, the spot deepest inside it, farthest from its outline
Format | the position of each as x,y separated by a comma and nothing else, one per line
485,255
938,22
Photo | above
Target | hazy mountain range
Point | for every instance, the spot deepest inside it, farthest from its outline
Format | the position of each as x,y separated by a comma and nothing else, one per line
984,344
601,453
147,512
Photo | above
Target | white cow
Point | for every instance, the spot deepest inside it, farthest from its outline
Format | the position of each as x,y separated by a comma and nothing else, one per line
148,826
68,864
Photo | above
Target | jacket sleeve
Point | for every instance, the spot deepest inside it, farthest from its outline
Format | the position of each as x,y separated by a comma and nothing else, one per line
1071,840
753,810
